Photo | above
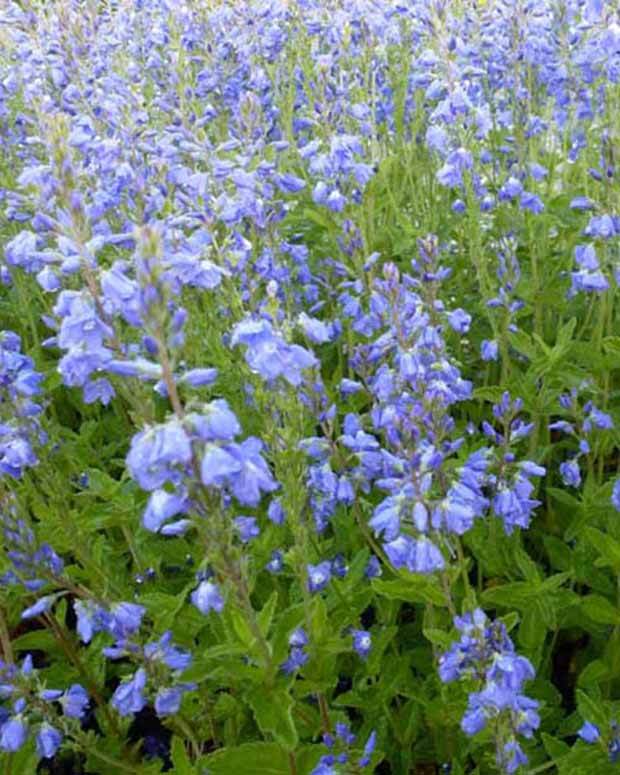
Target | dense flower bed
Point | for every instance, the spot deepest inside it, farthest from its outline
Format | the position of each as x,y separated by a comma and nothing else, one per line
309,397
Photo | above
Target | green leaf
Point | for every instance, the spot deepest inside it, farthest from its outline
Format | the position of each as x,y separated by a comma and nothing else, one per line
523,344
518,594
273,714
593,673
533,628
415,589
265,617
180,759
592,710
437,637
257,758
607,547
559,553
241,627
600,610
554,747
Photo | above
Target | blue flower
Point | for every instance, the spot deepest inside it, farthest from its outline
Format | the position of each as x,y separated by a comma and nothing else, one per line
207,597
240,467
275,512
168,701
125,619
532,202
90,619
269,355
276,563
297,659
129,696
157,453
489,350
512,757
427,557
218,465
581,203
199,377
161,507
373,568
603,226
319,576
163,650
589,732
247,527
216,421
74,701
48,740
289,183
316,330
13,734
323,768
400,551
585,256
81,327
570,473
386,517
41,606
362,642
298,638
460,321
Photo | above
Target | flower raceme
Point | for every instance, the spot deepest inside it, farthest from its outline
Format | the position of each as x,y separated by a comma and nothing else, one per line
486,655
33,708
197,450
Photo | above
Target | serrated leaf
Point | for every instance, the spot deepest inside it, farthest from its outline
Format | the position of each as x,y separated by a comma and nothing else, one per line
265,617
593,673
417,589
437,637
273,714
600,610
180,759
554,747
257,758
591,710
605,545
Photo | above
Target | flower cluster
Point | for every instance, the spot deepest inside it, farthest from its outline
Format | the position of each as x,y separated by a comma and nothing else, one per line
20,429
486,655
586,419
27,705
340,754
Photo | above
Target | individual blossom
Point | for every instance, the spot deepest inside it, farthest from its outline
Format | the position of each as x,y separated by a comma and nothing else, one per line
207,597
298,656
159,454
319,576
129,697
269,355
489,350
362,642
570,473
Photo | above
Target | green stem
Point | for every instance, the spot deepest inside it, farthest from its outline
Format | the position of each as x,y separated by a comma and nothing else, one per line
5,639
